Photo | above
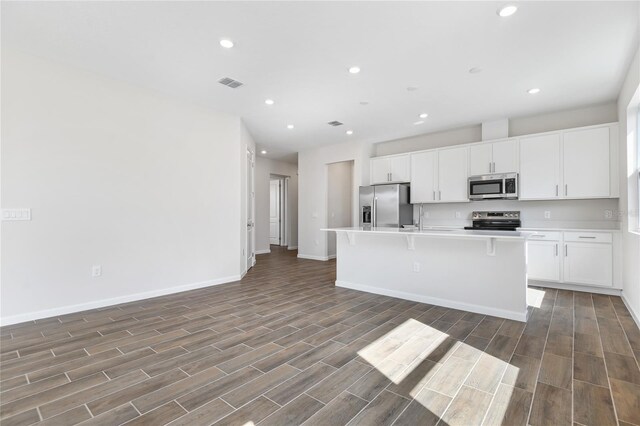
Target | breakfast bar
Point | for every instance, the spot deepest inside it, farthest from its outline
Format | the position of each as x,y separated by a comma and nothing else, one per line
477,271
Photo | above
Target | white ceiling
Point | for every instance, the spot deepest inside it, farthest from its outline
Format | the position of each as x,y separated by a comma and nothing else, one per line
298,53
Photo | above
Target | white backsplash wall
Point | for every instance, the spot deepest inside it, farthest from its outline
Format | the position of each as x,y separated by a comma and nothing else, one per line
601,214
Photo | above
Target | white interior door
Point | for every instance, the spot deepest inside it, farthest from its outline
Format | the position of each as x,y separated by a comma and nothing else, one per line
250,211
274,212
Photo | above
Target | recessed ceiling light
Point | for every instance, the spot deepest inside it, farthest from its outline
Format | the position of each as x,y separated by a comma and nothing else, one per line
263,152
349,132
507,10
418,122
533,91
226,43
289,126
269,102
475,70
354,70
424,115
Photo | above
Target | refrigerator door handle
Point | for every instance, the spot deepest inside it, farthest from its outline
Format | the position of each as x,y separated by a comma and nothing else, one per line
374,208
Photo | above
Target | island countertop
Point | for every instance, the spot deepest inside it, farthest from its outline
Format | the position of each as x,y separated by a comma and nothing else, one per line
437,232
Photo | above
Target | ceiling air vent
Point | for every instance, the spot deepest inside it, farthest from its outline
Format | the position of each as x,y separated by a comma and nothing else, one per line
334,123
229,82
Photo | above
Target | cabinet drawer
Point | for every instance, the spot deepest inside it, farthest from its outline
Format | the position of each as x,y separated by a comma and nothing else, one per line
544,236
588,237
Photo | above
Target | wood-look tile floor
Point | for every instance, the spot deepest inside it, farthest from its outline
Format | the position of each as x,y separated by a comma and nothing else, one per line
285,346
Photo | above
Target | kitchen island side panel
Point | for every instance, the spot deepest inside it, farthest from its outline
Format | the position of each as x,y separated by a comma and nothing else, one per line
452,272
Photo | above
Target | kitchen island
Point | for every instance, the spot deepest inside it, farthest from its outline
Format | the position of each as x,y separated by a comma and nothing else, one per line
477,271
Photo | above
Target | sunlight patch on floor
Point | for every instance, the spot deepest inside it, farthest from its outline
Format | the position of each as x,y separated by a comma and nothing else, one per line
535,297
395,353
401,355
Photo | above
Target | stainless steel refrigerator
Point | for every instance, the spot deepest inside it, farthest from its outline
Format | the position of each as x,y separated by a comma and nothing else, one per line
385,205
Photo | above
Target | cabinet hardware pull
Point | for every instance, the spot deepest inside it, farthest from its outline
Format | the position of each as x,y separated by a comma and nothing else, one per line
556,190
439,195
434,195
566,189
566,250
537,236
556,250
591,238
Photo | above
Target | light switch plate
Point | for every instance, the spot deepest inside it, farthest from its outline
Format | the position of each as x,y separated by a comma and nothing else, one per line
16,214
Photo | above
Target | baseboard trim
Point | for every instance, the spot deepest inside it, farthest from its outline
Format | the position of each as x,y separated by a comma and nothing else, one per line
577,287
313,257
331,256
517,316
267,251
634,314
70,309
292,248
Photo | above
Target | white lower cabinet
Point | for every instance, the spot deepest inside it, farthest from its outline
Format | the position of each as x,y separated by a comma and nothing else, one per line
544,260
588,263
585,258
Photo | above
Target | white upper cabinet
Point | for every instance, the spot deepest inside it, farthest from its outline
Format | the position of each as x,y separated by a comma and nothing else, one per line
578,163
540,167
567,164
423,177
585,156
380,170
399,168
439,176
480,159
390,169
505,156
452,174
493,157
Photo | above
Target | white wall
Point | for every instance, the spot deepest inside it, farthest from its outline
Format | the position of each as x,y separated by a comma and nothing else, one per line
629,190
339,200
266,167
430,140
313,167
565,119
144,185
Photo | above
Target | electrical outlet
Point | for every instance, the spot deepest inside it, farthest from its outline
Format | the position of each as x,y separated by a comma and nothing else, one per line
16,214
96,271
608,214
547,214
426,215
416,267
458,215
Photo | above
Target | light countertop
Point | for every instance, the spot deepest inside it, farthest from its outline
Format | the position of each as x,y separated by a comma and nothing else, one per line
452,232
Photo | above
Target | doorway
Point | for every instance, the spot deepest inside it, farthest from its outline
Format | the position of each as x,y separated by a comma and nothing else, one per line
278,190
339,200
274,212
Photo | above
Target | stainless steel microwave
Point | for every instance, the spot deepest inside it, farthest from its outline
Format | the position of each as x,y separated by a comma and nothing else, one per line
499,186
